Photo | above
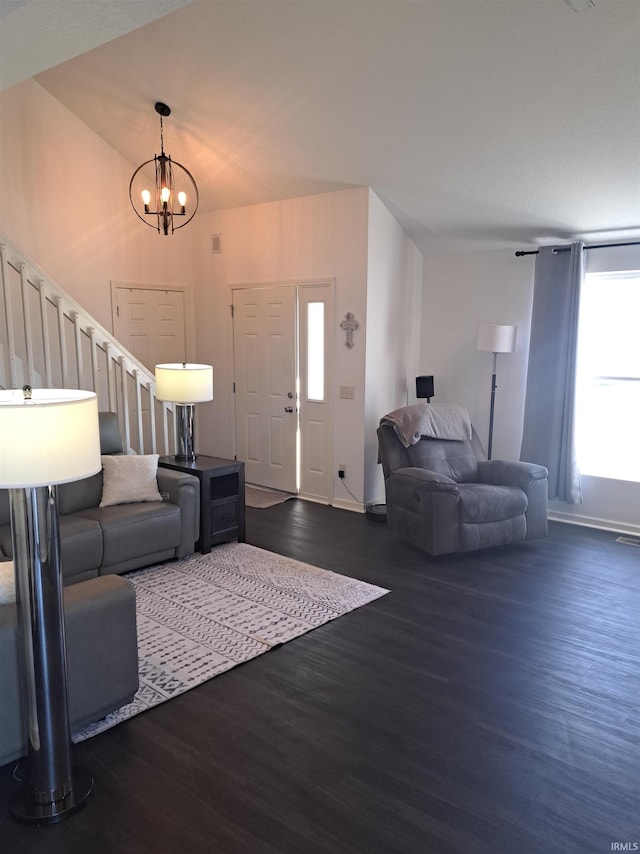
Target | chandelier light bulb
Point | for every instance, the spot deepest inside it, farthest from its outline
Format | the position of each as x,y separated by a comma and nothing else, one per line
164,195
182,198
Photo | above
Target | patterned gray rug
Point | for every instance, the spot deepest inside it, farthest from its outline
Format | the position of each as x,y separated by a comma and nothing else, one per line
203,615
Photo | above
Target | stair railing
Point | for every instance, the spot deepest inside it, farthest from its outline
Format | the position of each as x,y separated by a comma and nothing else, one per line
47,340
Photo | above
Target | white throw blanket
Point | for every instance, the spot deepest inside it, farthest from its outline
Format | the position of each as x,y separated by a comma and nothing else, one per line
434,420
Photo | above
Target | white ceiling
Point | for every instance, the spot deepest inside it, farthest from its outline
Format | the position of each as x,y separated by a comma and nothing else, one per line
480,123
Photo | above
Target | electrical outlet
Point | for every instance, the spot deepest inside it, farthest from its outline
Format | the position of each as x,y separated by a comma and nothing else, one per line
342,470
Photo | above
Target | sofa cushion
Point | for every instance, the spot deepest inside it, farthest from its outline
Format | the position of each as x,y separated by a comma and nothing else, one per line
133,530
129,479
79,494
81,549
480,502
455,459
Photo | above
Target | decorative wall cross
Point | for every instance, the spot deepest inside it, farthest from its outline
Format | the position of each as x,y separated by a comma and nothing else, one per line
349,324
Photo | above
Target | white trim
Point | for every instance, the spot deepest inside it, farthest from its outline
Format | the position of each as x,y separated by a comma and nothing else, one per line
593,522
348,504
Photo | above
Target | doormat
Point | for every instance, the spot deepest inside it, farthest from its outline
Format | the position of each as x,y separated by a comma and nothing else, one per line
258,496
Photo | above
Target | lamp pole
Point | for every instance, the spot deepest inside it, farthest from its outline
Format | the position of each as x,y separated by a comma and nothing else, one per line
492,406
53,790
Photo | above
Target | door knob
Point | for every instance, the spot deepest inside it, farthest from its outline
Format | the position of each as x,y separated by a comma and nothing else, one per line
288,409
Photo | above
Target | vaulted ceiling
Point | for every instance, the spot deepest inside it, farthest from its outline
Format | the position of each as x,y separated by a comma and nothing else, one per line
480,123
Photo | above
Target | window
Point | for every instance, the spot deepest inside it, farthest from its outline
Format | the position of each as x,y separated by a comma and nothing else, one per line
315,351
608,377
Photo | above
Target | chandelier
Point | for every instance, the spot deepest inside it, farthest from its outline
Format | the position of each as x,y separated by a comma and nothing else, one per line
166,203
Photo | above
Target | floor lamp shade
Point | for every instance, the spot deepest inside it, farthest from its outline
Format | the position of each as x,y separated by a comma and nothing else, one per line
50,438
47,437
496,339
184,384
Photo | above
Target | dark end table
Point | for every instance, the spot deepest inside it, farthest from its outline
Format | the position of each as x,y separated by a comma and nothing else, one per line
222,512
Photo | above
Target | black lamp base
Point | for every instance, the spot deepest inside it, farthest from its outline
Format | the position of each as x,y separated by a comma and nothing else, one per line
24,809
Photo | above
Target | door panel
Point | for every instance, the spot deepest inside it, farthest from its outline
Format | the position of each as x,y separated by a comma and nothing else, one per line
150,323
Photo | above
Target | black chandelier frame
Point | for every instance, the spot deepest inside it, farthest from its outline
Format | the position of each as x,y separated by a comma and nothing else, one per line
166,209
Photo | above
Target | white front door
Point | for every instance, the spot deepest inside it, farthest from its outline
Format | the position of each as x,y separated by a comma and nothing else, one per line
265,356
150,323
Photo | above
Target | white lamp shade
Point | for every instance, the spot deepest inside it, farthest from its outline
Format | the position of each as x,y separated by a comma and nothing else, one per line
496,339
52,438
184,383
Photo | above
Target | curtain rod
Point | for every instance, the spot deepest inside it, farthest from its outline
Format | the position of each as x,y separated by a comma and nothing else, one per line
522,252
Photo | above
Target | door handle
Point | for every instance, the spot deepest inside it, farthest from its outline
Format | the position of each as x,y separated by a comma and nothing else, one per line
288,409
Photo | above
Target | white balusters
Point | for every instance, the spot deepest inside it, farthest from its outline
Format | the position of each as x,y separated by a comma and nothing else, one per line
61,344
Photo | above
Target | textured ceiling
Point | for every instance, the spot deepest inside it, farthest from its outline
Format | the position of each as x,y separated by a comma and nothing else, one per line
480,123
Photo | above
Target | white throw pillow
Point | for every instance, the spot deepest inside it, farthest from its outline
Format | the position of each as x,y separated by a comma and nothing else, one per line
129,478
7,582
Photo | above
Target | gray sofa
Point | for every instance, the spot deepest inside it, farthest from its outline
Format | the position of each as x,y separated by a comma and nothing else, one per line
102,658
444,496
111,540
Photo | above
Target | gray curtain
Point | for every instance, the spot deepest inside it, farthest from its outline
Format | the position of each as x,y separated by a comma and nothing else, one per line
549,416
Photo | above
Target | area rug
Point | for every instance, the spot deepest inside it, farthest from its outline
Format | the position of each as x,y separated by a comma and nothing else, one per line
203,615
259,497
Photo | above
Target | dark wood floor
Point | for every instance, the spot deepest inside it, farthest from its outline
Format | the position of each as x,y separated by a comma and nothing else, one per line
489,703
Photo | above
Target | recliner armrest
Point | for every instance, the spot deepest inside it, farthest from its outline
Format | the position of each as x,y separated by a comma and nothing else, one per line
431,480
511,473
184,490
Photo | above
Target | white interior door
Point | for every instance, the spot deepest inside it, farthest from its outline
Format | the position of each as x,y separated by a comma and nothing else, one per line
150,323
265,356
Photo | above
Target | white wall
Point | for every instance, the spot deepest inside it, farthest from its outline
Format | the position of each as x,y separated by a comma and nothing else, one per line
461,291
394,291
65,205
312,238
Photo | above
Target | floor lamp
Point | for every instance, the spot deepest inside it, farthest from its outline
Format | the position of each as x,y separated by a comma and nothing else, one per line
47,437
495,339
184,384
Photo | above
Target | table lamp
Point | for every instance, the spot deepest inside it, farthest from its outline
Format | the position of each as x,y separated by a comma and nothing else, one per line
47,437
184,384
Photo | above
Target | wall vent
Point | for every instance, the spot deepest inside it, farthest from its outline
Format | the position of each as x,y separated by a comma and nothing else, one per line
216,244
628,541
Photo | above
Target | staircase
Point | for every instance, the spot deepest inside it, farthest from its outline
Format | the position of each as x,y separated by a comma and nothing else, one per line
48,341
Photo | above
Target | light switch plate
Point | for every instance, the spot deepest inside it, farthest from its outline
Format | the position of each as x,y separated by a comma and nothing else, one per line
347,392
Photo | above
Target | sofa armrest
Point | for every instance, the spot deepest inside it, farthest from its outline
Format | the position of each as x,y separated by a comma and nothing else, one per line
184,490
532,480
422,506
511,473
424,478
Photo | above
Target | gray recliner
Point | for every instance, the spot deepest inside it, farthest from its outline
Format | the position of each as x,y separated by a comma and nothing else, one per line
444,496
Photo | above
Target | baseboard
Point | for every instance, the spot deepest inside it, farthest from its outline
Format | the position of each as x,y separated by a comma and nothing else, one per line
593,522
313,498
345,504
